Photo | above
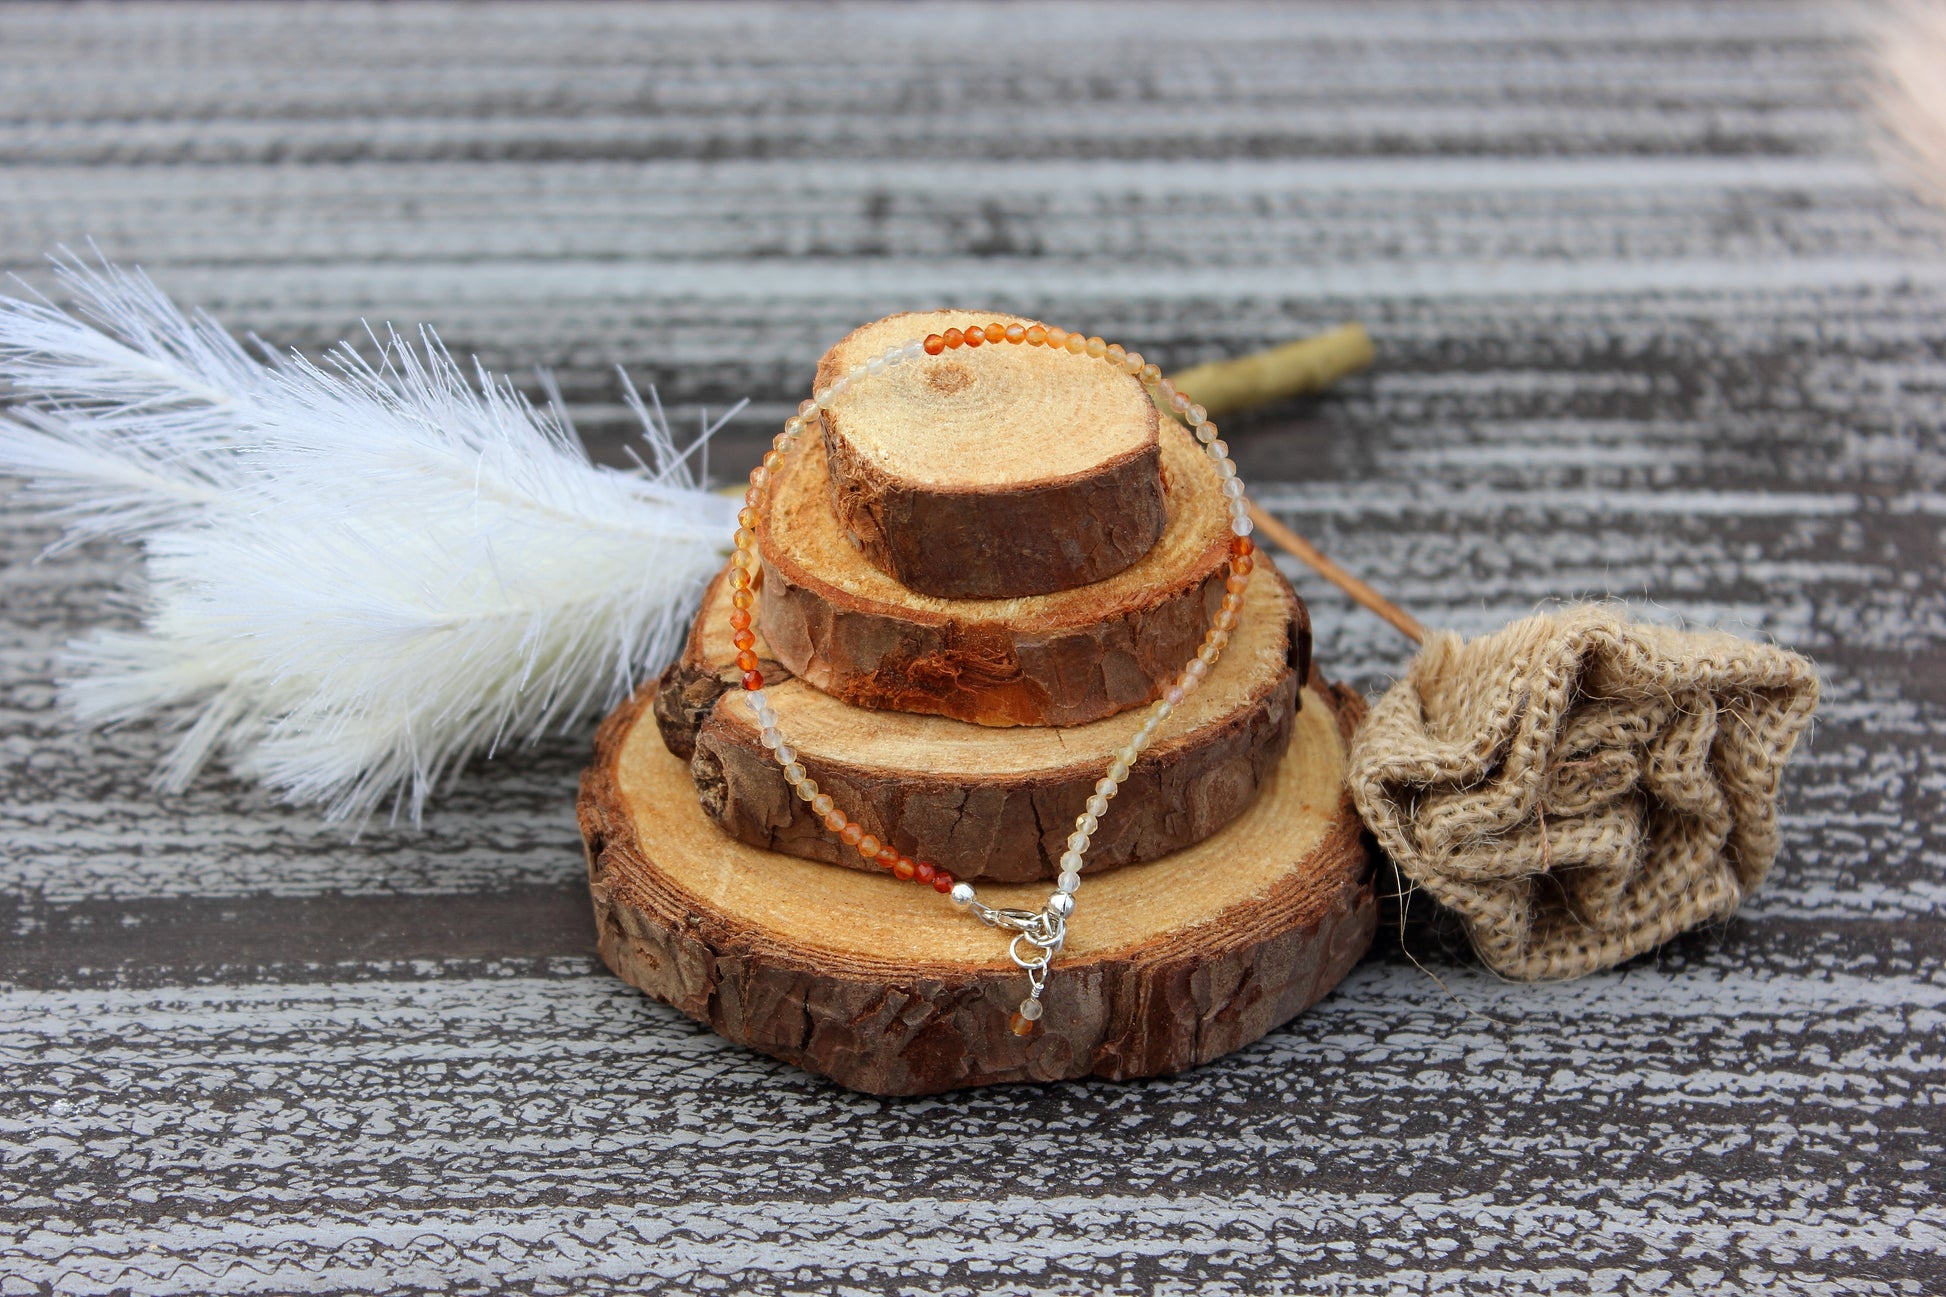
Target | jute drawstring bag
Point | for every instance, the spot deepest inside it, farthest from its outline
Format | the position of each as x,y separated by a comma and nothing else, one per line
1578,787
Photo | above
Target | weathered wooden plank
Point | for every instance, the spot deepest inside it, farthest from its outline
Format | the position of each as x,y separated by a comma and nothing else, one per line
313,1138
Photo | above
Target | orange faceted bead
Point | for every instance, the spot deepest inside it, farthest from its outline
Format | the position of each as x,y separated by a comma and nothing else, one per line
1015,333
742,599
743,639
1241,545
1021,1026
739,579
740,620
1035,336
852,834
996,332
746,516
746,661
888,856
903,869
1056,337
954,338
753,680
934,344
837,823
924,870
868,846
974,337
942,881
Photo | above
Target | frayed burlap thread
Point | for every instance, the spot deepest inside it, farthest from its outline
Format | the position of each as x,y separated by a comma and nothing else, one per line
1579,787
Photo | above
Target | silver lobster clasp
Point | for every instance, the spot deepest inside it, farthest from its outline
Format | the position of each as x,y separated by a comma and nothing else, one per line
1011,920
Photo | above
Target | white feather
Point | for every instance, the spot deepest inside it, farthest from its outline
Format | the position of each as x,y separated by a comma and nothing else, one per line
357,576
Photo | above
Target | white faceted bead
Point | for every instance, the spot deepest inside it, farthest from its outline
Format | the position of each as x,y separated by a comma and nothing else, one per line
807,788
770,738
793,773
1118,770
1162,709
1219,448
1206,433
858,371
962,894
1061,903
824,398
1030,1008
1105,787
915,349
755,700
1097,805
1127,756
875,366
1226,468
1078,841
1070,862
767,717
1069,883
1241,526
1087,823
1232,488
786,754
1196,669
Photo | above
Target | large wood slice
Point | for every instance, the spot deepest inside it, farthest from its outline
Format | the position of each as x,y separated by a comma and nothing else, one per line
883,986
1055,659
993,471
986,803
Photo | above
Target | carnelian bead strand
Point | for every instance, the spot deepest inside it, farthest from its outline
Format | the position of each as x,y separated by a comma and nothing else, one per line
746,569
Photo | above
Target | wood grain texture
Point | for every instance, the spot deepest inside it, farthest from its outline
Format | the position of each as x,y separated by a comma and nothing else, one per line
1655,319
1065,658
885,987
992,471
985,803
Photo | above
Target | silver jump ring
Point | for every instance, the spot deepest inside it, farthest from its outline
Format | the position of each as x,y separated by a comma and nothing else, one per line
1042,953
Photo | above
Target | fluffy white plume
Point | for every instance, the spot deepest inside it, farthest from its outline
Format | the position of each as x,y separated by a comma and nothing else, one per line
356,576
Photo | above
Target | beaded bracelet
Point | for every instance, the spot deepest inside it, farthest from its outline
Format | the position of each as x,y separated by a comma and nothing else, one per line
1042,931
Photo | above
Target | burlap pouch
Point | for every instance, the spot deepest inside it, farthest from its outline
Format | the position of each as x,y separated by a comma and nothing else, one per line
1579,787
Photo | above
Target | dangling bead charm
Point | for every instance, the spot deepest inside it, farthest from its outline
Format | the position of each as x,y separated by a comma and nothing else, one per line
1028,1014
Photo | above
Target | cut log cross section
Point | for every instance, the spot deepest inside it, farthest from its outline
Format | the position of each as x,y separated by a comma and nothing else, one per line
986,803
885,987
960,590
994,471
1066,658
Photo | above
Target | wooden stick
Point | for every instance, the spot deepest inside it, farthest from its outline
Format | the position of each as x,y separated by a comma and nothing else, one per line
1361,594
1305,365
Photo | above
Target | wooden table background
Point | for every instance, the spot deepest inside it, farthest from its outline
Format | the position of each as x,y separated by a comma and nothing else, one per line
1657,316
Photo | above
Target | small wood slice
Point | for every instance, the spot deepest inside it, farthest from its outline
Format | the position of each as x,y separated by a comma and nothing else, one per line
1055,659
986,803
884,987
993,471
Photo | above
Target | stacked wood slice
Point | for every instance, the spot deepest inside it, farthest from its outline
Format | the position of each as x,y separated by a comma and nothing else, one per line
981,565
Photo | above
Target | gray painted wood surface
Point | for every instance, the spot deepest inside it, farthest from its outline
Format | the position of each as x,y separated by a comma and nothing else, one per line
1658,318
